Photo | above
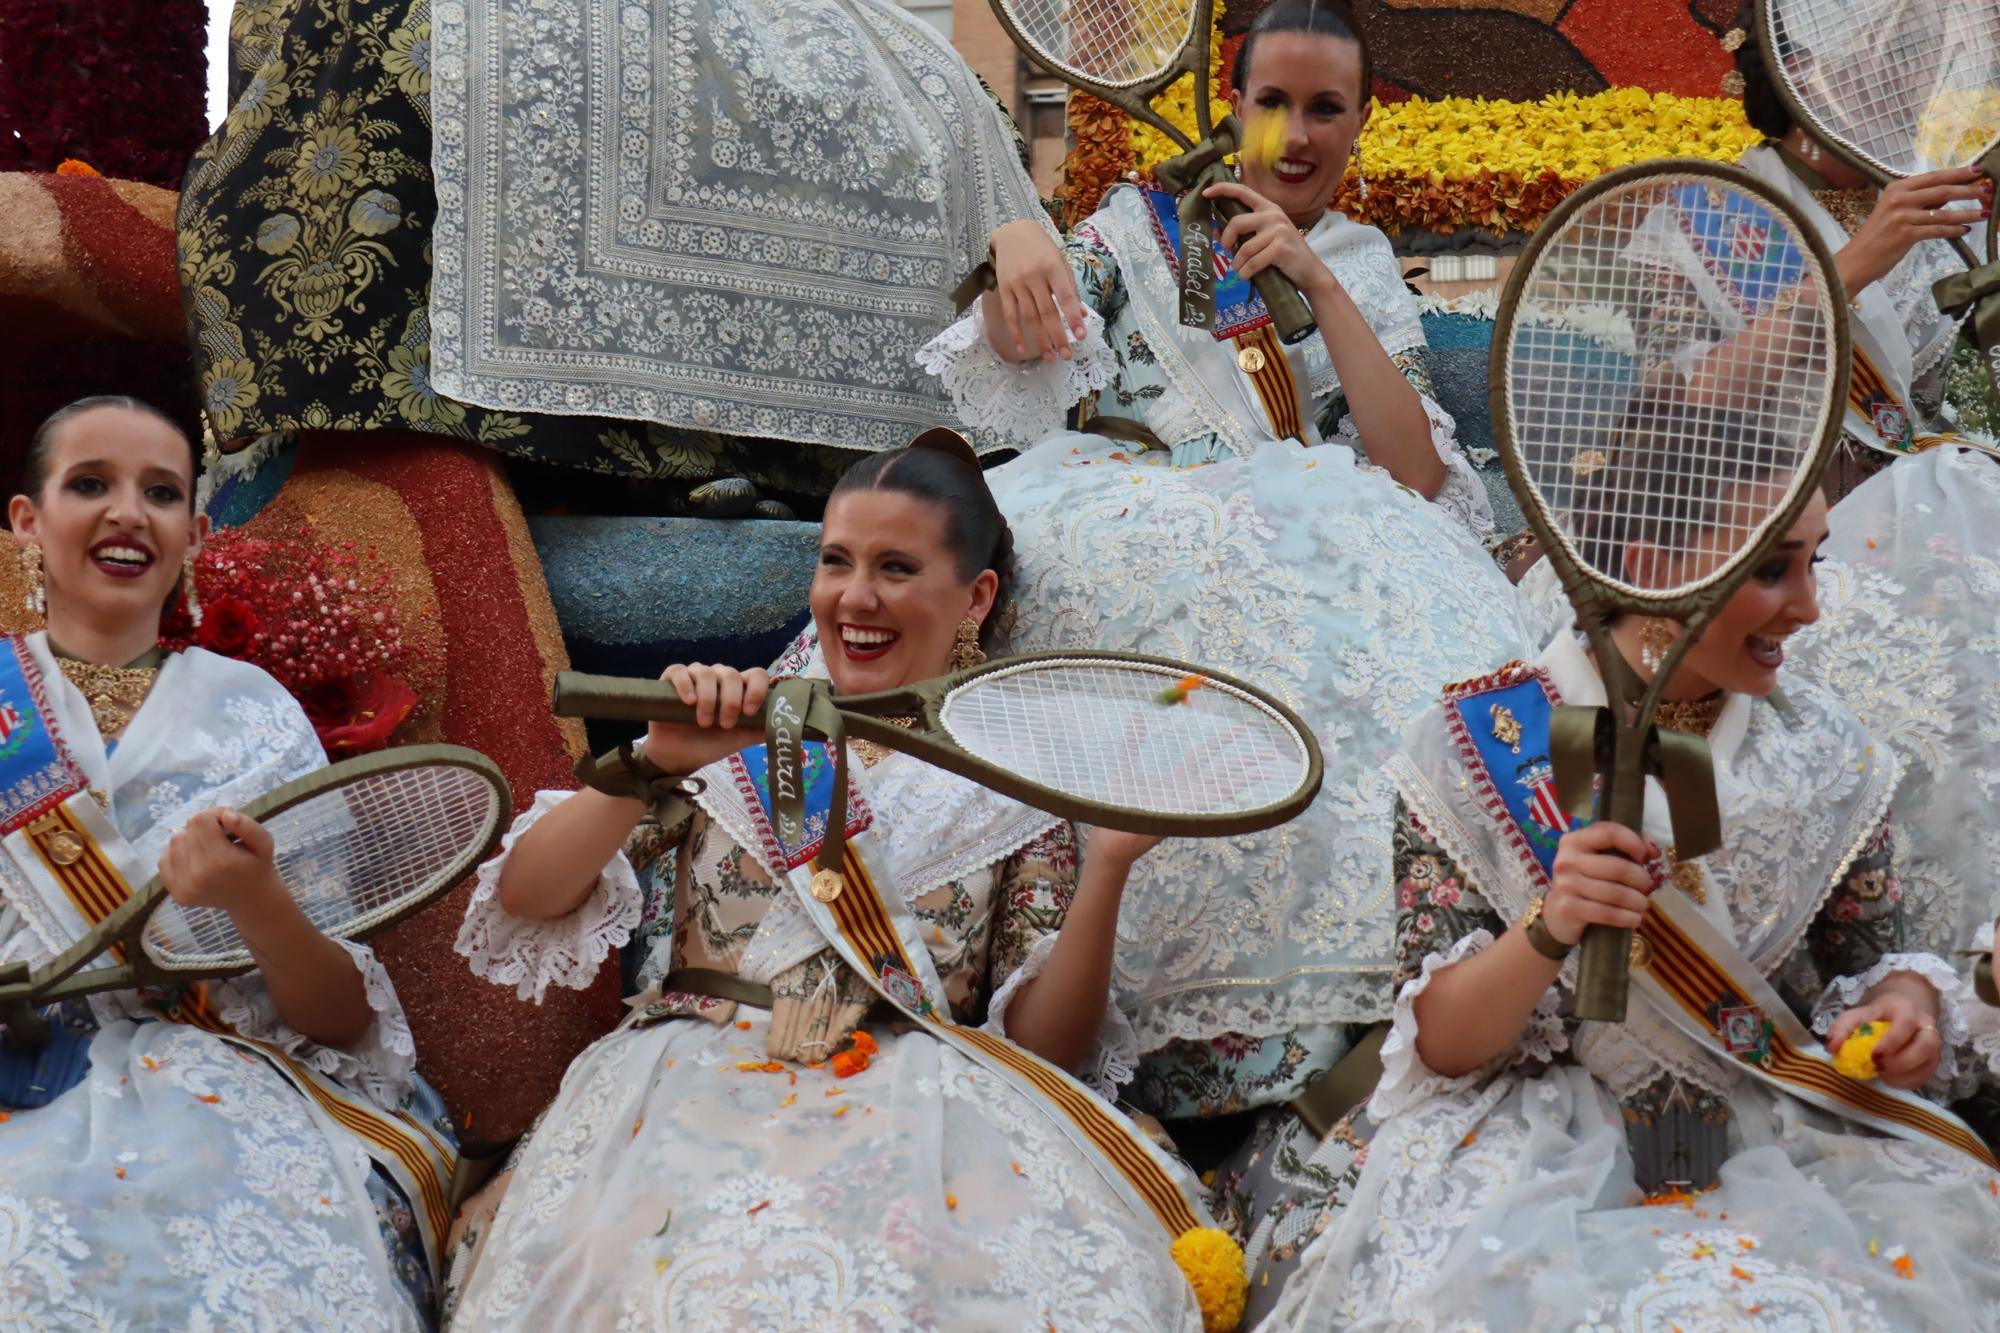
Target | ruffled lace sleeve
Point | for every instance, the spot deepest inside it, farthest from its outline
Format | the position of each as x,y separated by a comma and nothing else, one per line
1026,402
1036,887
1954,1027
531,955
1463,494
1407,1080
1440,919
1032,401
380,1065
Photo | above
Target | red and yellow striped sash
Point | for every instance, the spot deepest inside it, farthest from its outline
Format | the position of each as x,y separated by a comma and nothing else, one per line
1700,986
1261,357
864,923
417,1155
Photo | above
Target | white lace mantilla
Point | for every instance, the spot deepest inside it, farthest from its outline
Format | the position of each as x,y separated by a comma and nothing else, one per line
741,216
568,950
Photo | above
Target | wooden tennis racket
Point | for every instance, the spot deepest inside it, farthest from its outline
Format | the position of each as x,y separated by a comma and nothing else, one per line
1127,52
1668,377
1135,743
1896,88
361,844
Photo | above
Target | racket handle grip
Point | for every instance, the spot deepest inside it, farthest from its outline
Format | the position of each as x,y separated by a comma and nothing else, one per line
618,699
1290,315
1603,974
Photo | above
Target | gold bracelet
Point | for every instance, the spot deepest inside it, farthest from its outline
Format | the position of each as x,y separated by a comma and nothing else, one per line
1540,938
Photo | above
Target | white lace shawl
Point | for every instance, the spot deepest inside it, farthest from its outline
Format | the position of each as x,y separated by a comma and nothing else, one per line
740,216
1801,788
1205,394
213,733
937,828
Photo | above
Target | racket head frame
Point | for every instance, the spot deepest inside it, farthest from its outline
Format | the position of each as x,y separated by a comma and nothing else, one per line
865,717
63,977
1869,168
1632,700
1134,96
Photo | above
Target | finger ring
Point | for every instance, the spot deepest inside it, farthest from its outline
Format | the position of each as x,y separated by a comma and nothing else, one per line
1927,1027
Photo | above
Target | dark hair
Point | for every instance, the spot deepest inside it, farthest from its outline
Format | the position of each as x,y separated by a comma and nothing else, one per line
42,447
1322,18
1646,458
974,529
1762,104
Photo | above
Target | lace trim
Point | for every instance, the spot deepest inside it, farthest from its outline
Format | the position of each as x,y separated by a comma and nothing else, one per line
531,955
381,1064
1026,402
946,827
1110,1063
1953,1028
1266,1009
1407,1080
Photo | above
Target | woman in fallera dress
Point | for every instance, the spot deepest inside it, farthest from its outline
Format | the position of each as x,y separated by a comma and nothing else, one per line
1496,1177
764,1141
1297,515
188,1158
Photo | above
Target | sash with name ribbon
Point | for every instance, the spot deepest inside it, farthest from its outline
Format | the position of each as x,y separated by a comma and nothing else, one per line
1238,307
64,843
752,769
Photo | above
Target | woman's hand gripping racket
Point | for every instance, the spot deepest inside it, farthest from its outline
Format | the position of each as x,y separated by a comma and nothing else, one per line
1668,378
361,844
1133,743
1127,52
1900,89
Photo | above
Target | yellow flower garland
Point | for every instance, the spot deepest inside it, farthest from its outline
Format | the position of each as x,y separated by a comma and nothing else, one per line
1213,1265
1176,103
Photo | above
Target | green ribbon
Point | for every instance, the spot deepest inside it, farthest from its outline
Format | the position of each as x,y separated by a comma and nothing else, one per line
1188,176
1976,291
1581,742
796,707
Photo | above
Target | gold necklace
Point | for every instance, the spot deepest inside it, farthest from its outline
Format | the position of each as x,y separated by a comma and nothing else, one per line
114,693
1697,717
873,754
1850,208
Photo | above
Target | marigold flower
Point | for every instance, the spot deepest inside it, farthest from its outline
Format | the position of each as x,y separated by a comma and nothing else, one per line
1856,1057
1212,1262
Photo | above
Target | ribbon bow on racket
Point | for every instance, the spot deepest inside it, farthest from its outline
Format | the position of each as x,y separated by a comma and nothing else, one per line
360,845
1188,176
1581,745
1141,744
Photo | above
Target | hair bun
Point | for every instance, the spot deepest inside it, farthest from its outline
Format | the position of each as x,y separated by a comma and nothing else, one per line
945,440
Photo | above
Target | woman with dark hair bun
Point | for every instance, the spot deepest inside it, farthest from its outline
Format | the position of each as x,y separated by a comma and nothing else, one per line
251,1153
769,1141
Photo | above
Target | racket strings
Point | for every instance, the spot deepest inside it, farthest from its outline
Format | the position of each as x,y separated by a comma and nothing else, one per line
1101,732
1668,370
1115,43
352,857
1910,87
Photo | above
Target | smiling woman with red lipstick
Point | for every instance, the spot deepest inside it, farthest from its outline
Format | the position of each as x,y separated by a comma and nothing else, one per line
1502,1123
135,1147
888,1175
1299,515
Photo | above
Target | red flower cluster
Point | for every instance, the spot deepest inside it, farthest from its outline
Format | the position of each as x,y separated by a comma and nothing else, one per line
319,619
119,84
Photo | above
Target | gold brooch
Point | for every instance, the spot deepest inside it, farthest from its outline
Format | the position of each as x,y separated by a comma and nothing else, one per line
63,847
827,884
1734,39
1250,360
1506,727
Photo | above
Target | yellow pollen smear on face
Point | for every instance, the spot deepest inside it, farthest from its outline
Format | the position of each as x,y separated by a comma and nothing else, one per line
1264,138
